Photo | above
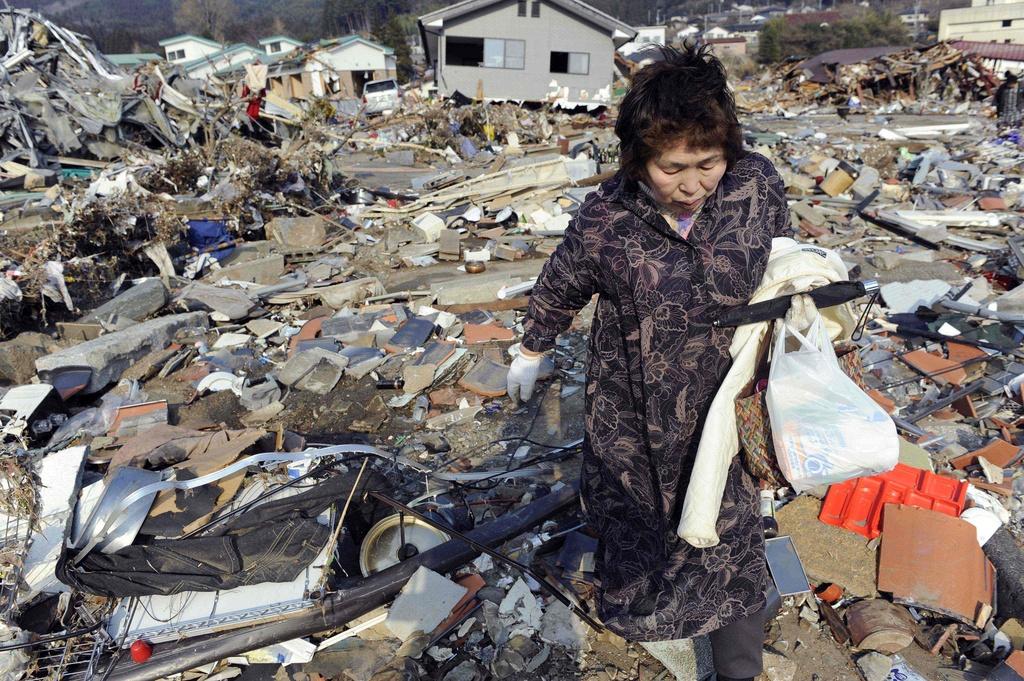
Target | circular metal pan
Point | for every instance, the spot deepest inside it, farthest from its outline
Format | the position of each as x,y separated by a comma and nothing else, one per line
382,544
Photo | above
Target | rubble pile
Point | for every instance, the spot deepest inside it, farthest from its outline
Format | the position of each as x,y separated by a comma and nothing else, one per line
62,100
253,400
938,75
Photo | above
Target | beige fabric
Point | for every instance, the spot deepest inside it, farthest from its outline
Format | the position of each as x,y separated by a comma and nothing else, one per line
792,268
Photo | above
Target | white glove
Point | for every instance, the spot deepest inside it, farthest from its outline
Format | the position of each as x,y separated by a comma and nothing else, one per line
522,376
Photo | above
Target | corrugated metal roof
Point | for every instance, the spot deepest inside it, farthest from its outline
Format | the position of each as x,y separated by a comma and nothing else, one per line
1002,51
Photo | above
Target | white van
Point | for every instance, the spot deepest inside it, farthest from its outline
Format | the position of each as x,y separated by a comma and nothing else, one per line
381,96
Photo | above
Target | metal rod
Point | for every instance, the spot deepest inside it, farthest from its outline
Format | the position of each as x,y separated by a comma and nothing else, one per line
341,519
497,555
940,403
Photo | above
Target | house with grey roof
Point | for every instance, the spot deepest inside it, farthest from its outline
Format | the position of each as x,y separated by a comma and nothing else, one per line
532,50
188,47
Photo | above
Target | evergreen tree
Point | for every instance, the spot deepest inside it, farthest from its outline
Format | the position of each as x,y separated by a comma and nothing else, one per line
769,49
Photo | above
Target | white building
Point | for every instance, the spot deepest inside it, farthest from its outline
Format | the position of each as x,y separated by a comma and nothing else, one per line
279,44
337,69
688,32
188,47
645,37
987,21
716,33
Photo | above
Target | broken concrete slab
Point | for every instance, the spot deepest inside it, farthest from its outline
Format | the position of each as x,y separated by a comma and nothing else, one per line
875,666
18,357
417,377
233,303
351,292
266,270
298,233
361,361
109,355
259,395
560,627
137,303
684,658
424,602
487,378
315,370
519,610
906,297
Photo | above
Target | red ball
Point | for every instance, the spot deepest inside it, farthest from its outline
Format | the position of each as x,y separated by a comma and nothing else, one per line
141,651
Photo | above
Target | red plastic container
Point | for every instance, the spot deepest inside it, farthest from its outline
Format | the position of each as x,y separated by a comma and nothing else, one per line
857,505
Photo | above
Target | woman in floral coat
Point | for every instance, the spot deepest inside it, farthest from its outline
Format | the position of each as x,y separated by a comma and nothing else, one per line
681,232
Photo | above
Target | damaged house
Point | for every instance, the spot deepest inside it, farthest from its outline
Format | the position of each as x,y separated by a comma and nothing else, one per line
524,49
336,68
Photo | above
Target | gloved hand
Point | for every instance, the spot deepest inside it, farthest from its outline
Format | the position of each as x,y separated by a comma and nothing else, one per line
522,376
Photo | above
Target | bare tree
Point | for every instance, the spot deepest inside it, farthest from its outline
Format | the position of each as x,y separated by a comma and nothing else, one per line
205,17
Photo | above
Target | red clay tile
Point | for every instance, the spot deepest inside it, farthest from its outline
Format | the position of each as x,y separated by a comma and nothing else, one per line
883,400
309,331
934,561
1016,662
961,352
965,407
445,397
484,333
930,364
999,452
992,203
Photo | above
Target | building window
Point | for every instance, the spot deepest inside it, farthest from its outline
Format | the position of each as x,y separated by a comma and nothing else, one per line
1007,40
522,8
463,51
504,54
577,63
489,52
1007,23
535,8
175,55
275,46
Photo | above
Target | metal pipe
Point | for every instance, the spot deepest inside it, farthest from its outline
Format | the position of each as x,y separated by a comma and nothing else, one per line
346,605
979,311
943,402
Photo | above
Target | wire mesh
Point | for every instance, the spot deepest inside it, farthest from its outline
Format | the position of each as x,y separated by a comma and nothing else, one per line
17,510
72,660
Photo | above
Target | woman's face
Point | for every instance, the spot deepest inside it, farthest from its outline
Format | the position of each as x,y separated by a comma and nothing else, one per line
682,178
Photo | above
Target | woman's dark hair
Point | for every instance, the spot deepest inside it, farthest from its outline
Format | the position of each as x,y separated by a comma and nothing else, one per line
684,97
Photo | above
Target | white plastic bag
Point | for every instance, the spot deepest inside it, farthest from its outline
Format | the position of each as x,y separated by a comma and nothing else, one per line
824,427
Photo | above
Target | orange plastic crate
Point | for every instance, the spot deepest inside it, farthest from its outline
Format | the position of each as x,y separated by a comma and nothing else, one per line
857,505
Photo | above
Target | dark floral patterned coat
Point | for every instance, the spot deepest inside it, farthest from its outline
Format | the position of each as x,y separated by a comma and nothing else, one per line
655,365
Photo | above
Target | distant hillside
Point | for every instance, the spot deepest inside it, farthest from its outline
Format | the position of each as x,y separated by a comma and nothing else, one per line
129,25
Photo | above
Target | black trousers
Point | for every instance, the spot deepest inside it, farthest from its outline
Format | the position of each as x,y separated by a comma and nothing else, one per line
736,648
